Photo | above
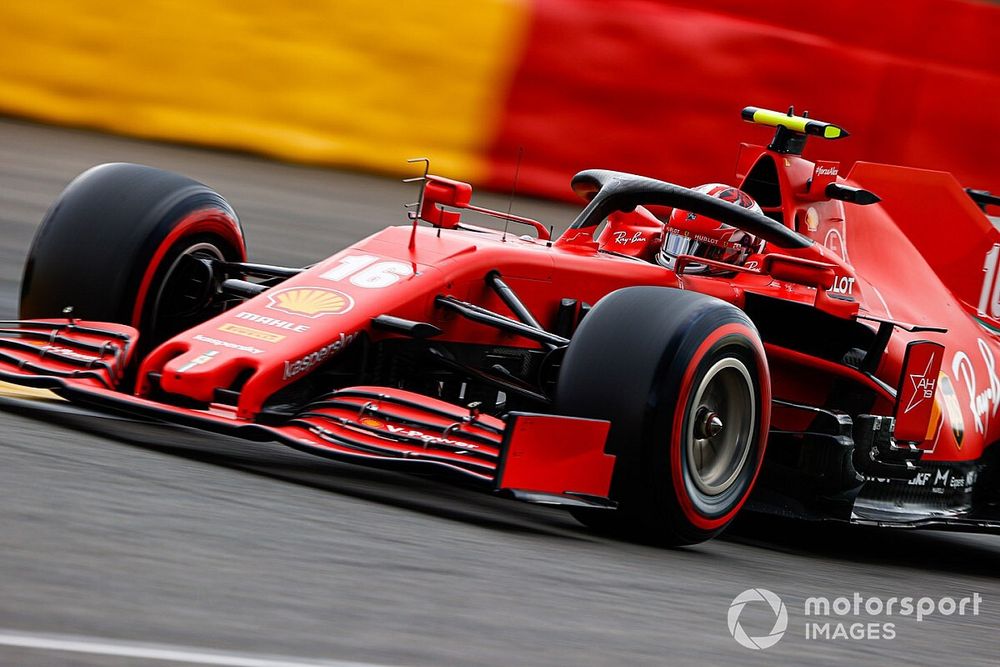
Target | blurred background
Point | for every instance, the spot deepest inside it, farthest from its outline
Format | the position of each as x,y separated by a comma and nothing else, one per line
649,86
121,534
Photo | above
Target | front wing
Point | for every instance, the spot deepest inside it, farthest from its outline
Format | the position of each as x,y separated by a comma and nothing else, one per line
537,458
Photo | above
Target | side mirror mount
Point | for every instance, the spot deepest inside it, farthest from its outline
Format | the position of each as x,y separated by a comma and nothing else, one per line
439,192
800,271
852,195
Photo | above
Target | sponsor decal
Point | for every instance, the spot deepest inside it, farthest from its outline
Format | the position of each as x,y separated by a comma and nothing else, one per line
200,360
256,334
989,297
843,285
812,219
622,238
938,480
367,272
826,171
946,392
983,404
408,432
272,322
312,302
298,366
923,387
226,344
66,352
834,240
918,416
428,438
704,238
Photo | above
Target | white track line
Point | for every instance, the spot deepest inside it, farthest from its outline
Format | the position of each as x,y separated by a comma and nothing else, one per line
183,654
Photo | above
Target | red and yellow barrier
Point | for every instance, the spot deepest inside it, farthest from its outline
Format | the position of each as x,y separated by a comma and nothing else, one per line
341,82
651,86
657,87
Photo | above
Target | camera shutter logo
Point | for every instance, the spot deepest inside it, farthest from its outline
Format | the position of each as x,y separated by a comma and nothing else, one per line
780,618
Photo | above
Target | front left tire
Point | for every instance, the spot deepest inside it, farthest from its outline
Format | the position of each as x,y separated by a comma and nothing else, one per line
122,244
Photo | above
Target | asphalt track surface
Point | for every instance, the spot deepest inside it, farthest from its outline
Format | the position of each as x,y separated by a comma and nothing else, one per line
121,544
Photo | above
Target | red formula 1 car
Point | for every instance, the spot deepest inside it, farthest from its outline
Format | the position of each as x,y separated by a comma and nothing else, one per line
631,370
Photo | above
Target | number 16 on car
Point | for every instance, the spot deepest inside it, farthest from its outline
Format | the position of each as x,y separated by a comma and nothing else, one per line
366,271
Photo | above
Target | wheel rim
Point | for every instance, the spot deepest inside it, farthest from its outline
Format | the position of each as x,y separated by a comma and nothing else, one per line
720,426
185,285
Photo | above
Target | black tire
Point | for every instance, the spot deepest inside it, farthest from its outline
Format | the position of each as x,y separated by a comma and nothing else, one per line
640,359
117,246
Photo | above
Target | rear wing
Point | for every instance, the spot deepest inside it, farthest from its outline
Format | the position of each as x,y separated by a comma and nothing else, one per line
952,233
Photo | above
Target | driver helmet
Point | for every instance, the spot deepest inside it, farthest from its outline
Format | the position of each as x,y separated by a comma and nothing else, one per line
688,233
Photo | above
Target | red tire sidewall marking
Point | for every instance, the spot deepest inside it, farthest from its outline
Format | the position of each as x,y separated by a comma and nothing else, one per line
205,221
691,513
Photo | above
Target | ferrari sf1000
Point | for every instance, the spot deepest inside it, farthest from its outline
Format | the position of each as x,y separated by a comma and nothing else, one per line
801,342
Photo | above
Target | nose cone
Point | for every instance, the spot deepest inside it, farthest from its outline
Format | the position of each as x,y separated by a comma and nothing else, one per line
198,373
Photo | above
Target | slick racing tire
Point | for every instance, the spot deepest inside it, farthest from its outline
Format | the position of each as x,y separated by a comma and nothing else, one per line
683,379
122,243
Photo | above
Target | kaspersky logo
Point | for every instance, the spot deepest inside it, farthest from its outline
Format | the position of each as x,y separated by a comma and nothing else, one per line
310,302
294,367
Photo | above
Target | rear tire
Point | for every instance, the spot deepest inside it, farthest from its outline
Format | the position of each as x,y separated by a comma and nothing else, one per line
120,245
683,379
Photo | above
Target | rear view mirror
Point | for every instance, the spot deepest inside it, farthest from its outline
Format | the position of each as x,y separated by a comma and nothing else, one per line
801,271
440,191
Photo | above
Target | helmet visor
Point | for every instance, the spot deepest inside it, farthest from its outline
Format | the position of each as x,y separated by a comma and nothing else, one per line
675,245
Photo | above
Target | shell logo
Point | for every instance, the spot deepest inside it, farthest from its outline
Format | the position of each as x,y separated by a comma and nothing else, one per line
371,421
812,219
310,302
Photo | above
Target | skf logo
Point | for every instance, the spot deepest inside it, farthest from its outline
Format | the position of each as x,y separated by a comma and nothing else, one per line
310,302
